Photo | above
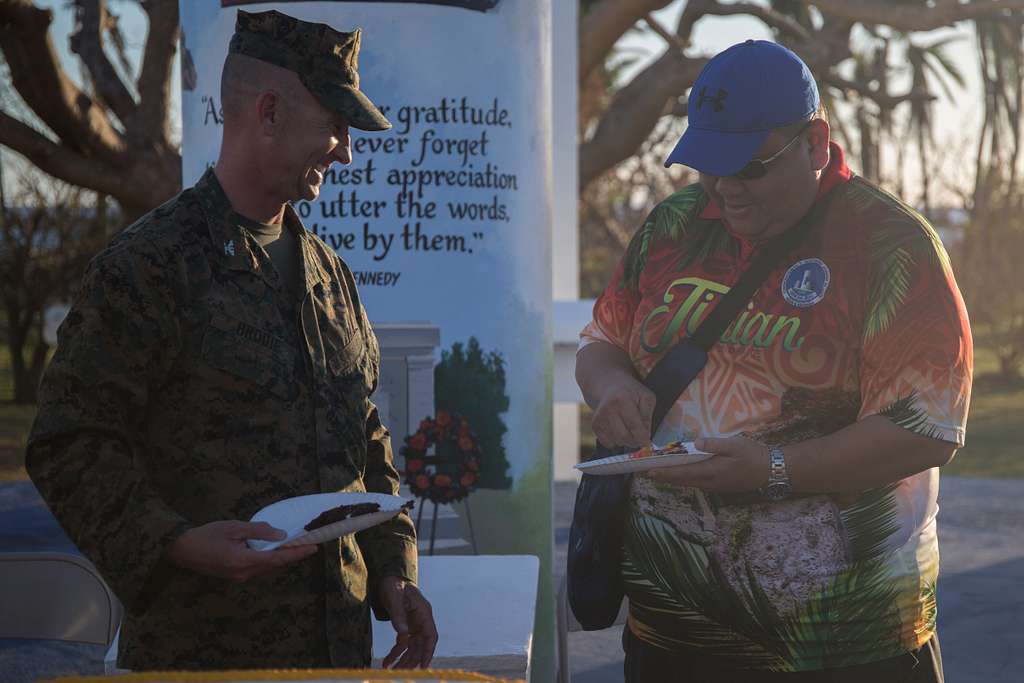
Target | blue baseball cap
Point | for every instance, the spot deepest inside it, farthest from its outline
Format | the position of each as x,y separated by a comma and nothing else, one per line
740,96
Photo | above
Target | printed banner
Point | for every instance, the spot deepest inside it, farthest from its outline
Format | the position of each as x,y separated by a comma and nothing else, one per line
445,222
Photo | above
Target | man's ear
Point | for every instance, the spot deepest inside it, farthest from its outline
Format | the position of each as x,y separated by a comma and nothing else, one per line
270,109
819,135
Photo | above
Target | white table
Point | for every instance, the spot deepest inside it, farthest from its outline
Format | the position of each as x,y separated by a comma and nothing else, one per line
484,609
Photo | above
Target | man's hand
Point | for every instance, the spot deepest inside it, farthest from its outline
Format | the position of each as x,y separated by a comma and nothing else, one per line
413,621
740,464
219,549
623,415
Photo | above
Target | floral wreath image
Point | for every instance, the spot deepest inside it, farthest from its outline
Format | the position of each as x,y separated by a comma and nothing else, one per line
454,443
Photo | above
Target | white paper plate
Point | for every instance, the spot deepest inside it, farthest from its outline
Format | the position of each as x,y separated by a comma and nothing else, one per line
293,514
623,464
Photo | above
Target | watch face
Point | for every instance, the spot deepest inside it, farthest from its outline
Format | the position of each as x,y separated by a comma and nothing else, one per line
777,491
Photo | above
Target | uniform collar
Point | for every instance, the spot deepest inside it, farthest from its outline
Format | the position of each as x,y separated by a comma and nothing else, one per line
312,265
234,244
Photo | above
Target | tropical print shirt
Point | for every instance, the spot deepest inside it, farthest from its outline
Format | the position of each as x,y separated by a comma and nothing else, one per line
863,318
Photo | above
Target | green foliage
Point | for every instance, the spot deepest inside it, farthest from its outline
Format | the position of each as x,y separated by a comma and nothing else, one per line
670,220
894,251
905,413
871,521
685,580
471,383
889,289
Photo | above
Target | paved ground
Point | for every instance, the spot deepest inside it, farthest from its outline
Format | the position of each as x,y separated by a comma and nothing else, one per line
981,606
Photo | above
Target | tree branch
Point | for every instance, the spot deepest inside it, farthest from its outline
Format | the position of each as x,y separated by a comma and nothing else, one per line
60,161
38,77
669,38
766,14
604,24
87,43
883,99
634,110
916,16
155,77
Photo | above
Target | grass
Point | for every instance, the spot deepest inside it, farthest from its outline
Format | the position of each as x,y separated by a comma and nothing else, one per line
993,446
994,435
15,421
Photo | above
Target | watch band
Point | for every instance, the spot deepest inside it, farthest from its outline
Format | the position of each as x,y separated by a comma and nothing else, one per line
776,466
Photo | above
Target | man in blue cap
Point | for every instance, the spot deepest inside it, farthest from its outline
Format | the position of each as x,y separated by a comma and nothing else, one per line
805,547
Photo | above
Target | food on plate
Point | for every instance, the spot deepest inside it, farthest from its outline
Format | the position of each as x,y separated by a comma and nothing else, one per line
671,448
337,514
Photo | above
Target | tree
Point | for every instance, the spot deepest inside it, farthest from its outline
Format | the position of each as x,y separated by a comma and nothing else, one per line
994,236
46,239
113,135
471,383
855,49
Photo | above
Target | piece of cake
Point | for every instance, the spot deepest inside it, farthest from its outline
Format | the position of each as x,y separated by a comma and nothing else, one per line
337,514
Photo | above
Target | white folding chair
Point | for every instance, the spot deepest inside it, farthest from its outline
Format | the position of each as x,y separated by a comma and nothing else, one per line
55,596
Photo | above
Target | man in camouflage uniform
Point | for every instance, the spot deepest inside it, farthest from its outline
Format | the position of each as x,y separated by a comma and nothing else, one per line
217,359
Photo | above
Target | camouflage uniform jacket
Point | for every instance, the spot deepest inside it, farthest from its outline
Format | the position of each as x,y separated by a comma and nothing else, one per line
188,387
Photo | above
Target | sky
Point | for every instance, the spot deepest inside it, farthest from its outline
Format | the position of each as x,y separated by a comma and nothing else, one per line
955,122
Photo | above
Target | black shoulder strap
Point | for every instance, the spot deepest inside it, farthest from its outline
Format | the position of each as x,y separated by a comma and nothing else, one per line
680,365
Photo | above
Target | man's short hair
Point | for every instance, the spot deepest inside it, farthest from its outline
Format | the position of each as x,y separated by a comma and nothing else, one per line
243,77
791,129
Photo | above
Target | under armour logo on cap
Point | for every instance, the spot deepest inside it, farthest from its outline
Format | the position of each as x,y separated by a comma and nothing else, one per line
716,100
229,248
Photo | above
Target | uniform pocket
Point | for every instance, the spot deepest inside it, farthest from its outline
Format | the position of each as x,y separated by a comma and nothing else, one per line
344,359
350,379
247,353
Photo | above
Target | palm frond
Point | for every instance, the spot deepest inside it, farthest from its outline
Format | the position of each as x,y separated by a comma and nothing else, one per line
668,221
708,238
929,607
700,606
864,594
904,412
894,250
870,521
858,195
678,593
888,291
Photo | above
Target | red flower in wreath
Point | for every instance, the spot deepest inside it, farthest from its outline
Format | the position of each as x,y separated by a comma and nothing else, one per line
455,462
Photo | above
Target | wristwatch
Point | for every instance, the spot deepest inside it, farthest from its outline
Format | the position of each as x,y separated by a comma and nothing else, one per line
778,487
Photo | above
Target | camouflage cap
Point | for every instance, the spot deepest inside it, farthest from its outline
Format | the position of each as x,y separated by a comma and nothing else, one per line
326,61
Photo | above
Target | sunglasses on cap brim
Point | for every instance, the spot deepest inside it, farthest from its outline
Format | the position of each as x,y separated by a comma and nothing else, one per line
757,168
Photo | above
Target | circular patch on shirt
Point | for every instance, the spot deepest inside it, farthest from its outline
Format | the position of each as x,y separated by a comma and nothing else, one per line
805,282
